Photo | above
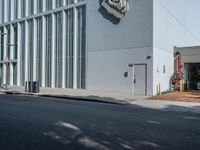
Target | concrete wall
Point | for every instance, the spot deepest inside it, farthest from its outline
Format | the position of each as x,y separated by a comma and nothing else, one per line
176,23
113,46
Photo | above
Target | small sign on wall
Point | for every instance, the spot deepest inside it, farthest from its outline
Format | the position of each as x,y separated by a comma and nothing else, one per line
164,69
125,74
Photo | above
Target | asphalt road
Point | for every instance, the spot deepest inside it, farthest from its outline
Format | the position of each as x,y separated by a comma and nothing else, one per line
33,123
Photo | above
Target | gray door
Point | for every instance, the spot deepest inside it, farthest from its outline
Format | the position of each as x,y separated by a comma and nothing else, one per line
140,79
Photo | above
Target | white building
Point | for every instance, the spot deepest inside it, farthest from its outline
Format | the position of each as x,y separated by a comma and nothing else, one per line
78,44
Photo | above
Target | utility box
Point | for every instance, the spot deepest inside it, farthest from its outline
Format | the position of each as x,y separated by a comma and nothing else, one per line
36,87
31,86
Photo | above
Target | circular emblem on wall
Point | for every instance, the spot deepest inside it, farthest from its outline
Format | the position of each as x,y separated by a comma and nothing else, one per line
117,8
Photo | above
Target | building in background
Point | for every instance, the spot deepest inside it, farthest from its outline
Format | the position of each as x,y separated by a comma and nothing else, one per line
190,58
79,44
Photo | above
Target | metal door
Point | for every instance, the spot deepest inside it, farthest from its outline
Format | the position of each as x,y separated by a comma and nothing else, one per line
140,79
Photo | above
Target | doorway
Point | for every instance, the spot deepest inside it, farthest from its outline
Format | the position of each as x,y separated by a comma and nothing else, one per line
193,76
140,79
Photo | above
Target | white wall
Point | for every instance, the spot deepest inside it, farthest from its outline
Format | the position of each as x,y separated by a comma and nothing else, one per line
162,58
176,23
106,69
112,47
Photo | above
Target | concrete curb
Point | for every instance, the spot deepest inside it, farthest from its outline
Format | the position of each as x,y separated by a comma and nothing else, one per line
75,98
152,104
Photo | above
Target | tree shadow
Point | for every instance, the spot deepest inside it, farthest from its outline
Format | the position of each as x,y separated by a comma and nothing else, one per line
150,132
60,124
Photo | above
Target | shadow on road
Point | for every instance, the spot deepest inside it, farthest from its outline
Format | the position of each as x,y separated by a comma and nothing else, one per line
151,133
36,123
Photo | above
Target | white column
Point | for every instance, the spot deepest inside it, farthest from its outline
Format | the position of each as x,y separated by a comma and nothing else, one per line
64,2
12,11
5,41
35,7
19,5
63,48
26,51
43,50
43,5
11,52
5,10
11,42
26,9
53,4
53,52
35,50
75,49
18,54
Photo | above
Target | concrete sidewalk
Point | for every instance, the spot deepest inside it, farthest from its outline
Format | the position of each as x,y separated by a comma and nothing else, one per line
76,94
168,105
107,97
